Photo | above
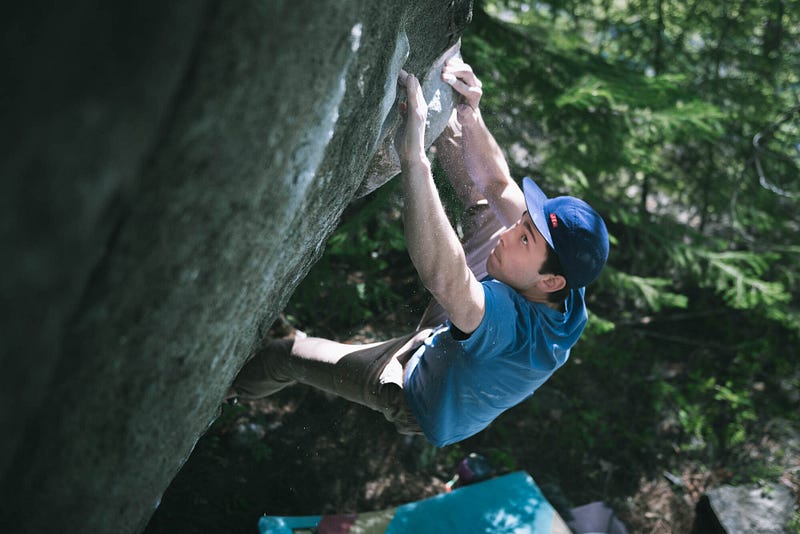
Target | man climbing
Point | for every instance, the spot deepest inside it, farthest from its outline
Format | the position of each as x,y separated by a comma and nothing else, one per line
508,302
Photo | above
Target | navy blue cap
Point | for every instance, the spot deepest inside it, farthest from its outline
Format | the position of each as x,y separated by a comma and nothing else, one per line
575,231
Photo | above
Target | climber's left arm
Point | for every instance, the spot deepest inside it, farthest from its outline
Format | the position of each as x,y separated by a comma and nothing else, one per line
432,243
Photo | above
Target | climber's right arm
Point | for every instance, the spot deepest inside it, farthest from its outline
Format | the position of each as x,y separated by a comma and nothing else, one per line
484,161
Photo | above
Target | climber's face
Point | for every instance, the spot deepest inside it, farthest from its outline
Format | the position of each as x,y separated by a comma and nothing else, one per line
518,258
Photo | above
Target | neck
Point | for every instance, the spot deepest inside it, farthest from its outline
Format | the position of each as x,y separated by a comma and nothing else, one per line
534,294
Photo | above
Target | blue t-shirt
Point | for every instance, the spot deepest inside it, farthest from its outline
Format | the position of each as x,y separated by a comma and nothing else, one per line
455,388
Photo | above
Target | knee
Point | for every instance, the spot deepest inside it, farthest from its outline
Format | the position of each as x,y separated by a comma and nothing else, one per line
274,358
266,372
396,410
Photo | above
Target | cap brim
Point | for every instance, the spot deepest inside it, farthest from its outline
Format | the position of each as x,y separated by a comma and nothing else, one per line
534,201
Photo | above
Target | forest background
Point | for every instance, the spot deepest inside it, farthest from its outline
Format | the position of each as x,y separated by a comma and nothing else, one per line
680,123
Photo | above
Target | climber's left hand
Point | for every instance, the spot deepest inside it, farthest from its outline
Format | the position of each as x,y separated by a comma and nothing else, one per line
415,110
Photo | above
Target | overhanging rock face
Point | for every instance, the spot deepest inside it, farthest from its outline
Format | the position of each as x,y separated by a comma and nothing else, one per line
170,173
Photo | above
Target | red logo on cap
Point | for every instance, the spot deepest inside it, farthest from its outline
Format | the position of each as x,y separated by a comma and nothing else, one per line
553,220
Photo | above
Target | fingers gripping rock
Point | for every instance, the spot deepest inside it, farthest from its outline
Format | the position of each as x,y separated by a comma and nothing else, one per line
441,101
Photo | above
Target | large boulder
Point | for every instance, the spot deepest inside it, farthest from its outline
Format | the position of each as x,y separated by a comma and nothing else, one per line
171,170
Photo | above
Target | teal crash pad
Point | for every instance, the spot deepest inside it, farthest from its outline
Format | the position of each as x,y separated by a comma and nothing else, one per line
510,503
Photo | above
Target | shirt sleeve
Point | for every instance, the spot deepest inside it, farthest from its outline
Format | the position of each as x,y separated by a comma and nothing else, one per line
498,326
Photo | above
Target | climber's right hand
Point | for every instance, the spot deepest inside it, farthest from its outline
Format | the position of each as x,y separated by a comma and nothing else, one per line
462,79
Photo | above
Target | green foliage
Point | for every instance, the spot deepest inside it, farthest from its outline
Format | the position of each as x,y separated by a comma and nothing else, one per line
452,455
714,417
598,326
502,460
679,122
647,292
736,275
228,415
638,121
261,452
649,111
794,523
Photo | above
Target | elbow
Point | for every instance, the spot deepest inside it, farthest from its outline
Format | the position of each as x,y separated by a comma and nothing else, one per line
437,283
445,273
445,284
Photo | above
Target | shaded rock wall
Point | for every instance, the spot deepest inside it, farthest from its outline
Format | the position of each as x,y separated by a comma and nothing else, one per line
170,172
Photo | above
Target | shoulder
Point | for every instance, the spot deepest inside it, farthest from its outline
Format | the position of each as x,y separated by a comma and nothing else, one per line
501,301
504,308
499,289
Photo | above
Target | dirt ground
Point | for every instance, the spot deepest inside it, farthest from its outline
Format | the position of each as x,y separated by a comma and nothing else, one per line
302,452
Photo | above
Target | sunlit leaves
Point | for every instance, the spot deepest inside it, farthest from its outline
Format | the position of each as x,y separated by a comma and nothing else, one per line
737,277
648,110
649,293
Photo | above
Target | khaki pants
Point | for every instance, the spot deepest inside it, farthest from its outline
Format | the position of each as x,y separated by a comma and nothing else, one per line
372,374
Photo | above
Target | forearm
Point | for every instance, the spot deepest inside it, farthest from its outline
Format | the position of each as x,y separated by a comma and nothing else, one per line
432,243
487,167
483,157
